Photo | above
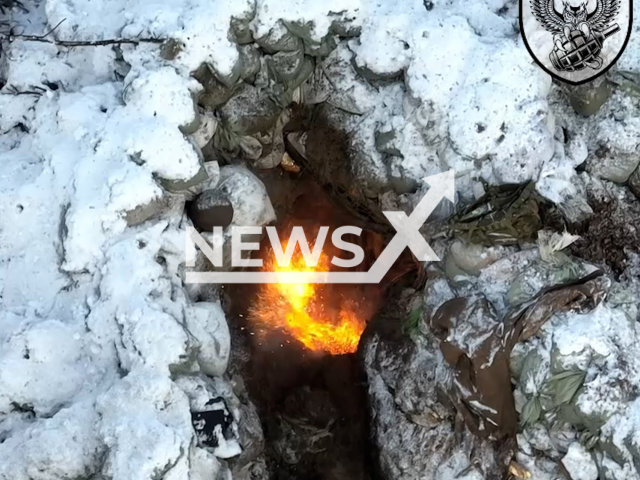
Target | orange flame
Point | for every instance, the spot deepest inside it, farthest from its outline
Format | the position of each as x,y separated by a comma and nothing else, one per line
305,312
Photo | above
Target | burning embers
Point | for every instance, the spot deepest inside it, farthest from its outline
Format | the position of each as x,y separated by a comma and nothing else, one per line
323,317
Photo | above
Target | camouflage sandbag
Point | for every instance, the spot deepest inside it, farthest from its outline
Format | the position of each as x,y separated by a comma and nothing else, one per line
553,268
279,39
311,47
505,215
249,111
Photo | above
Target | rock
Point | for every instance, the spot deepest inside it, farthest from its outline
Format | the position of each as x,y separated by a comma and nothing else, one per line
211,209
249,111
587,99
207,323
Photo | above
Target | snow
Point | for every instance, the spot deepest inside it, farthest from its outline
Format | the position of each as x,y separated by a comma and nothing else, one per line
92,313
579,463
145,424
97,331
574,338
199,24
479,92
207,324
43,357
35,63
162,93
34,451
321,14
248,196
604,344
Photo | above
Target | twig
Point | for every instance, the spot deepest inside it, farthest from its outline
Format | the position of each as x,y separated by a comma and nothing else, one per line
96,43
73,43
53,29
12,90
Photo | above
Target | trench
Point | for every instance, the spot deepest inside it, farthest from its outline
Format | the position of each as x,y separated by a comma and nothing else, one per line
307,381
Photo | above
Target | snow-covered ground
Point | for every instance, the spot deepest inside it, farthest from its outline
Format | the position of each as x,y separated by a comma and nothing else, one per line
102,351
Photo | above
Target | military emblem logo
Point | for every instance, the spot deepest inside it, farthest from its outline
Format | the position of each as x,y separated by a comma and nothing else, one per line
576,41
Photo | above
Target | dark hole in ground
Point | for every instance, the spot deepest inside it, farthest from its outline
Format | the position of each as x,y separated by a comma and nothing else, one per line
312,404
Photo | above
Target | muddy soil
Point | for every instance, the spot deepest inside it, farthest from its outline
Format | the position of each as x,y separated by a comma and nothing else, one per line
612,233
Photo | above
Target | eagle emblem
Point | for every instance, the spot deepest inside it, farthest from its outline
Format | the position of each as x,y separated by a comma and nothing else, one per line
578,33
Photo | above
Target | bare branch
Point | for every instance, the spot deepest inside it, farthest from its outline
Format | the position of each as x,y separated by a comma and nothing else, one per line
53,29
78,43
13,90
95,43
